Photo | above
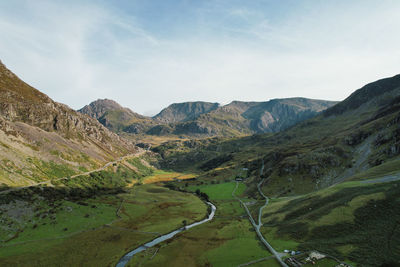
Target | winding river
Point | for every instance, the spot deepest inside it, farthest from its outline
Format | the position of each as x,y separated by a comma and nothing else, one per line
125,259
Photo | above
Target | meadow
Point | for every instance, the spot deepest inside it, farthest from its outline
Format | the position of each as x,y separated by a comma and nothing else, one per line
73,230
347,221
227,240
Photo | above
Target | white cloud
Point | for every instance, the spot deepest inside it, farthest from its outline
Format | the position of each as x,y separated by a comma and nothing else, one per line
78,53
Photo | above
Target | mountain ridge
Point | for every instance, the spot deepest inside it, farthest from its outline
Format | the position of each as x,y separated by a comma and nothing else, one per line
204,119
318,152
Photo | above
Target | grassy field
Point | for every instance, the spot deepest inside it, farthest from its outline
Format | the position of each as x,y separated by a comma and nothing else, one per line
388,168
228,240
219,191
166,176
90,232
323,263
352,221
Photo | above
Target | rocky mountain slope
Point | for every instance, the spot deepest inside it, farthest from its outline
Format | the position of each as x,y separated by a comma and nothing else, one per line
358,134
333,181
202,119
115,117
262,117
42,139
181,112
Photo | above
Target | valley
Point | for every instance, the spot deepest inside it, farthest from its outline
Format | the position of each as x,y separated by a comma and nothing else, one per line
295,182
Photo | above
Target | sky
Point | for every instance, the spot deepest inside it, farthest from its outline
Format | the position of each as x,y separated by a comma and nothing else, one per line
147,54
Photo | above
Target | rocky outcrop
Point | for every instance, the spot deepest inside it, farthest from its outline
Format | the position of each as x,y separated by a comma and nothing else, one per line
117,118
98,108
186,111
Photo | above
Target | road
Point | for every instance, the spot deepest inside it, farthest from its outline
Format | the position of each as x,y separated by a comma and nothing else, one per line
48,182
384,179
258,226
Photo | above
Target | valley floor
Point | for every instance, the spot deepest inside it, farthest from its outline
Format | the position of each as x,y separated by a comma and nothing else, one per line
97,231
347,221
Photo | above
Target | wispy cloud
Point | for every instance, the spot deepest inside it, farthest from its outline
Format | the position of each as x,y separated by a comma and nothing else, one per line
217,52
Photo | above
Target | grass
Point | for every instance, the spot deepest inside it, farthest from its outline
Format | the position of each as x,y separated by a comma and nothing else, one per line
53,170
270,263
350,221
387,168
159,204
220,242
119,177
142,168
219,191
165,176
70,216
228,240
323,263
278,243
241,247
100,238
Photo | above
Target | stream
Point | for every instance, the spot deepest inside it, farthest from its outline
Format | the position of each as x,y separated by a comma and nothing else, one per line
125,259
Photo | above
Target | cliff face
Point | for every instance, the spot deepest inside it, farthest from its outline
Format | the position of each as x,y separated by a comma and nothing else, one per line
47,128
241,118
270,116
184,111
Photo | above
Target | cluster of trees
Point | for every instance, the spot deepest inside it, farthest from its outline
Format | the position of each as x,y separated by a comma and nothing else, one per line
202,195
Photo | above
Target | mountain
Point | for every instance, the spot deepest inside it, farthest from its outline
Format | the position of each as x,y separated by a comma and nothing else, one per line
41,139
204,119
372,95
115,117
261,117
357,134
181,112
333,181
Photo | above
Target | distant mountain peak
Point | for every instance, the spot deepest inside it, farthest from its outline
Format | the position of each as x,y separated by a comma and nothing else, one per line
99,107
112,115
180,112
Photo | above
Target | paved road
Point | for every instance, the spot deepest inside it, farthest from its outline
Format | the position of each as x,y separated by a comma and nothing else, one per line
48,182
384,179
258,226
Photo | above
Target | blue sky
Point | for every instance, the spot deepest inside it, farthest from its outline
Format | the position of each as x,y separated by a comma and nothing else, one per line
148,54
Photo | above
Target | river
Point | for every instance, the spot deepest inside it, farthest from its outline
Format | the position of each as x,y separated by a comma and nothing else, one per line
126,258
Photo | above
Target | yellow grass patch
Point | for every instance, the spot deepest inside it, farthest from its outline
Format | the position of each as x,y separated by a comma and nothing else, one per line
167,176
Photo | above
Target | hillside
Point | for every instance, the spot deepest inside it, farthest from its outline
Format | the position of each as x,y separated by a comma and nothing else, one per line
41,139
332,181
316,153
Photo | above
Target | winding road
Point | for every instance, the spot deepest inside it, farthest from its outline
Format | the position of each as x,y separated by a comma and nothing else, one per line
258,226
